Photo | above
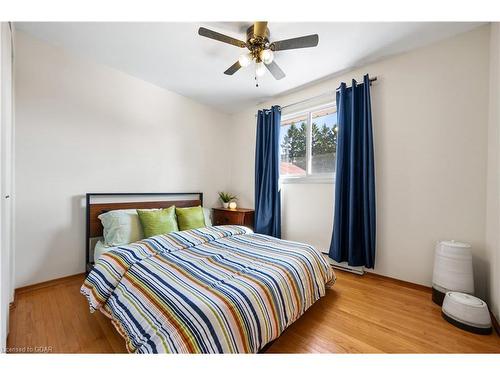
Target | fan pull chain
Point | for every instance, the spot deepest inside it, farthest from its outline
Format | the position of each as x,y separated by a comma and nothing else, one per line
256,77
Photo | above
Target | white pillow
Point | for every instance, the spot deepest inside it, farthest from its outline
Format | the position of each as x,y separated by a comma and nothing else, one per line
121,227
99,249
207,213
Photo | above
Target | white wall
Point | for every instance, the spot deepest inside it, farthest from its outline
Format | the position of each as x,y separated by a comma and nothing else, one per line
430,115
493,182
83,127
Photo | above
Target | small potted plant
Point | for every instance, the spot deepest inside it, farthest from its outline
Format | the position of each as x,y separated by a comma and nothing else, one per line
226,198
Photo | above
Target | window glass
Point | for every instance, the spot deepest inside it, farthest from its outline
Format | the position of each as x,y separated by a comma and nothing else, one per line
323,141
293,138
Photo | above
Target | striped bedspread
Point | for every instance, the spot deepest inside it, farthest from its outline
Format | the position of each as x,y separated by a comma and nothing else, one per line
212,290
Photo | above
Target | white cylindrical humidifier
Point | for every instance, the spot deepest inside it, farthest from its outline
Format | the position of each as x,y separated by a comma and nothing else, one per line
452,269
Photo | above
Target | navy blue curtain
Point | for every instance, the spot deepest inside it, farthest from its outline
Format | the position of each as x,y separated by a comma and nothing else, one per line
353,237
267,164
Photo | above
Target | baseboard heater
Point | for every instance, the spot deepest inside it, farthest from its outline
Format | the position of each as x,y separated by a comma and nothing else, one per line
344,266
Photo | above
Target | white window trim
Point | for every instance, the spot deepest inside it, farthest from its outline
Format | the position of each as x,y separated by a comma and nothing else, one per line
324,178
310,178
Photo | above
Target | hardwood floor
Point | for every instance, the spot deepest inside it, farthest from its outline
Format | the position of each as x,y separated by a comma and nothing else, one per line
361,314
55,317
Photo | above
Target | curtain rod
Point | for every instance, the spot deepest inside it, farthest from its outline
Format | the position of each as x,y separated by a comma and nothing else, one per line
324,94
321,95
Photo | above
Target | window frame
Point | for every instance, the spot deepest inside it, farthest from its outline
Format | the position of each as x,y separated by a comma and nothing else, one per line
317,178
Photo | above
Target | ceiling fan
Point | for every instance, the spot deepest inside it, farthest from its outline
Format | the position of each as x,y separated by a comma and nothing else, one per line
261,50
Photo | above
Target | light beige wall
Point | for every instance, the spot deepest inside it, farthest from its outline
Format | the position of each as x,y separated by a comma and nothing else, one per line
493,186
83,127
307,213
430,115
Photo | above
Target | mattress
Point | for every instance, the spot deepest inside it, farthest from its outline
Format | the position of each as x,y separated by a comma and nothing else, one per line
217,289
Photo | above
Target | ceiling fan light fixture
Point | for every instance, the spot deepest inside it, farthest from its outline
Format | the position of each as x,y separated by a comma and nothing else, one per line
260,69
267,56
245,59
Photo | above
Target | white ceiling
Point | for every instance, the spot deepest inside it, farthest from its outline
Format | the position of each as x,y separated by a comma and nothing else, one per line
174,56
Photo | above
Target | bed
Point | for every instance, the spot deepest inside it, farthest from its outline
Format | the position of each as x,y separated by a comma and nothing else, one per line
221,289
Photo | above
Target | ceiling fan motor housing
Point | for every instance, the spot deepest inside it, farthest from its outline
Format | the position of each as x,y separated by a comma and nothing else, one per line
251,35
257,43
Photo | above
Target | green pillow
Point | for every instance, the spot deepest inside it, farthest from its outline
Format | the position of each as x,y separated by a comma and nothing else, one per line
190,217
156,222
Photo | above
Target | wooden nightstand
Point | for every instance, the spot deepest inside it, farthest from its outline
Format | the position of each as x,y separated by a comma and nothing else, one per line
237,216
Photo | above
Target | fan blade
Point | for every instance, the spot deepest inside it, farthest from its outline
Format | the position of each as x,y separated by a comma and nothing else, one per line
221,37
275,70
259,29
233,68
294,43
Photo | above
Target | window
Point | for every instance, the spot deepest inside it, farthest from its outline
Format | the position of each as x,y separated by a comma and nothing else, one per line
308,144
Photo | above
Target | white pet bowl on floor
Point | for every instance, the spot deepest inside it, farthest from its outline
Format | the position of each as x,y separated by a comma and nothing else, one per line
467,312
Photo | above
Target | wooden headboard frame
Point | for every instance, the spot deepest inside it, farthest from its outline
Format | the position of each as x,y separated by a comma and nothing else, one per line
93,210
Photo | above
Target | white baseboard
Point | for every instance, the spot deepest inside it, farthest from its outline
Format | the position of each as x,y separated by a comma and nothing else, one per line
344,266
